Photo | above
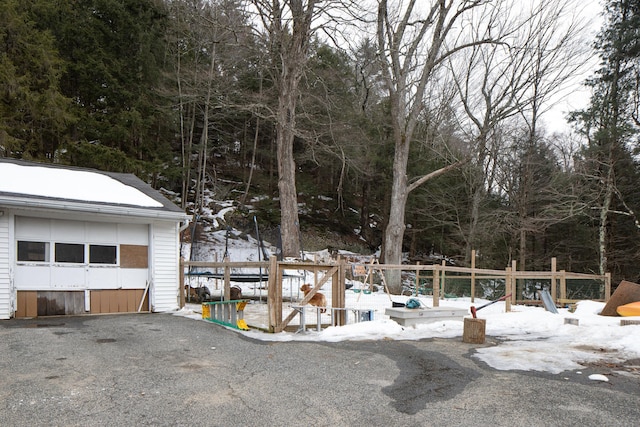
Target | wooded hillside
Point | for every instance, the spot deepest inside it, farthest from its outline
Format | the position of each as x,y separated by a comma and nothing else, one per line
360,125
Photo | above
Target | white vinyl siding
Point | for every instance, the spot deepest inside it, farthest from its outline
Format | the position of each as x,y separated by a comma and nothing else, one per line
164,263
56,275
5,279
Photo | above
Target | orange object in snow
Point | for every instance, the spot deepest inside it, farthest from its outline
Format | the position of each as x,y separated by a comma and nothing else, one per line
631,309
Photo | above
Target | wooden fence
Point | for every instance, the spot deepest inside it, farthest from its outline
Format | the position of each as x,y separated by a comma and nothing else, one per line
437,275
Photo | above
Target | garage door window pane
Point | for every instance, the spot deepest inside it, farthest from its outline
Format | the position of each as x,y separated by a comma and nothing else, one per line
99,254
33,251
70,252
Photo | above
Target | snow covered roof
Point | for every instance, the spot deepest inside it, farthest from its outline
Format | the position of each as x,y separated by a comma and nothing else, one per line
30,184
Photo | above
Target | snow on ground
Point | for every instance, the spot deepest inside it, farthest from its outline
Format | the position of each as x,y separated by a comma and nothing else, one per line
527,338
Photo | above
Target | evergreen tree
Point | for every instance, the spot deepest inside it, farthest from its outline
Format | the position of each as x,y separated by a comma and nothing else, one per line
113,51
610,125
34,114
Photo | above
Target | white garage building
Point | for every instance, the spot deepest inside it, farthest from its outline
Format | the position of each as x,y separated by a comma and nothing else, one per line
75,241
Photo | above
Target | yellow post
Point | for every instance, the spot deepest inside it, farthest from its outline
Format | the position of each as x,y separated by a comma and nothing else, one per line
206,311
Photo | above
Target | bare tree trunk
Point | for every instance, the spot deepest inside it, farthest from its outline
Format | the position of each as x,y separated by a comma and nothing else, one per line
604,214
394,233
476,199
189,151
243,199
183,148
255,148
202,161
289,27
285,126
411,51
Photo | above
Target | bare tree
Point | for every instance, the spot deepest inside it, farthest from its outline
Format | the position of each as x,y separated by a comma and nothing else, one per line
541,50
287,29
203,46
414,41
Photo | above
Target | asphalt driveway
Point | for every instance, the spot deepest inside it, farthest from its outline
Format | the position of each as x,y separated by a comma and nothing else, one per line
165,370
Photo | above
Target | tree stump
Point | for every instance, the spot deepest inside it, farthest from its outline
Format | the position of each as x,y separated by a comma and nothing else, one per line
474,330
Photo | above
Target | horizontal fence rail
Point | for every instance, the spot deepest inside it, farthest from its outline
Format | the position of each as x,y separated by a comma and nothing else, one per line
439,281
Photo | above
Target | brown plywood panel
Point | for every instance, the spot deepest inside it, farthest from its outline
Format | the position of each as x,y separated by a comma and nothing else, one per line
145,304
104,302
117,301
27,304
134,256
95,302
101,302
121,302
131,300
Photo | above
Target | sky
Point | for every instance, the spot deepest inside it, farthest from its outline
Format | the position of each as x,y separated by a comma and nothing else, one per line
576,95
69,184
526,339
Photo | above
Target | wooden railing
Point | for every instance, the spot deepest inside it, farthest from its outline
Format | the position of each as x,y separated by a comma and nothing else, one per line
438,275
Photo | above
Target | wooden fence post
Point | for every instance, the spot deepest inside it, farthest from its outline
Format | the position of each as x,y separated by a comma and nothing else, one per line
563,287
227,279
473,275
554,290
443,291
216,281
274,307
338,293
436,286
514,284
315,271
508,280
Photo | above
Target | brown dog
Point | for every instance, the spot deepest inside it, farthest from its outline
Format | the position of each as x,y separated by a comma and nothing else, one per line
318,299
236,292
199,294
